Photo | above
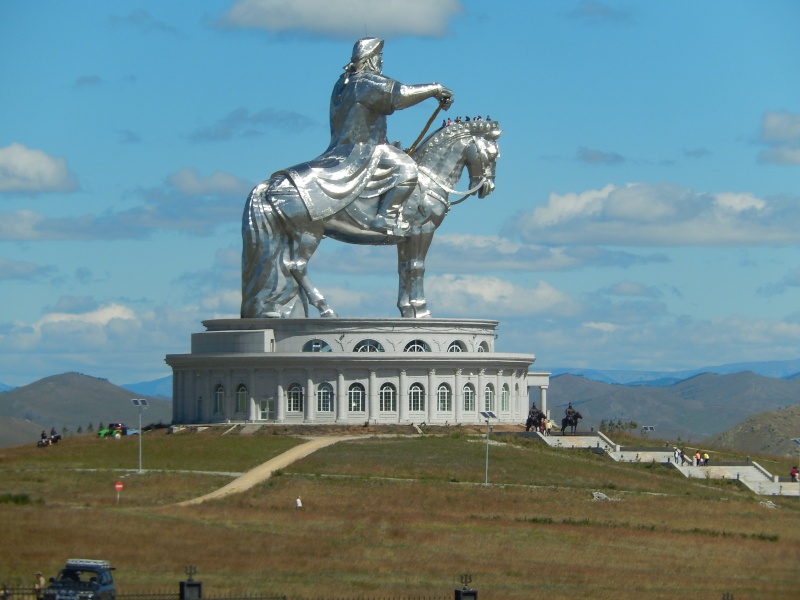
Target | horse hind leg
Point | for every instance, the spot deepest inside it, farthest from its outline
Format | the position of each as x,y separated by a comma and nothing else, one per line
305,246
268,288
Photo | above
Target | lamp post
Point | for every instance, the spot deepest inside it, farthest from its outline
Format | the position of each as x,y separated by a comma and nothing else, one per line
487,415
141,403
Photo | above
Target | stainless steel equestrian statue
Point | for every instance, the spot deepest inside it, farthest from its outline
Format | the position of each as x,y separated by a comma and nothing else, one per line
361,190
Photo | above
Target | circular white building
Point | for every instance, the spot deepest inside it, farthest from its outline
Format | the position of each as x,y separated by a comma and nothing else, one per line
349,371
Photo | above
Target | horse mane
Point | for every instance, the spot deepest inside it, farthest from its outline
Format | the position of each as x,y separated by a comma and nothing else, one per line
448,134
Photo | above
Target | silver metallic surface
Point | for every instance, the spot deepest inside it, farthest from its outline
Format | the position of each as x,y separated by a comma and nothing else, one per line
361,190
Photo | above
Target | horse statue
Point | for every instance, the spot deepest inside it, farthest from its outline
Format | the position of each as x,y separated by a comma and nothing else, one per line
280,237
571,422
534,420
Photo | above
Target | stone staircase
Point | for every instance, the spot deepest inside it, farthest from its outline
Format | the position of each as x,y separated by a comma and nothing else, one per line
751,474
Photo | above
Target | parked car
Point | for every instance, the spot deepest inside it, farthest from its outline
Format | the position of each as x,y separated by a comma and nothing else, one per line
83,579
116,430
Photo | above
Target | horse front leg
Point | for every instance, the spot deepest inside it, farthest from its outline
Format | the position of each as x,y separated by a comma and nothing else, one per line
411,268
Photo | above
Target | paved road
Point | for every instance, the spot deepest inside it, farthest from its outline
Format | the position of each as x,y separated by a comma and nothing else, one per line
260,473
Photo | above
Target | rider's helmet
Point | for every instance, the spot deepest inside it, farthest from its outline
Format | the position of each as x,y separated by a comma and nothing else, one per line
366,48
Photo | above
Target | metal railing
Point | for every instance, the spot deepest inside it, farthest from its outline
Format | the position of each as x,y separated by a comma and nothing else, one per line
28,593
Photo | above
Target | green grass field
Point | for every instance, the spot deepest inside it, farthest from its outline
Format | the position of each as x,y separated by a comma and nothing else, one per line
390,517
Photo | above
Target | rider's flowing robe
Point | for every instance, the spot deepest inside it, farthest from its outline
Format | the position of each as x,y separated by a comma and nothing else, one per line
359,161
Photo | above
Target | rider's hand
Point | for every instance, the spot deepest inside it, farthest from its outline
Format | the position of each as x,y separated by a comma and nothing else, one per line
445,97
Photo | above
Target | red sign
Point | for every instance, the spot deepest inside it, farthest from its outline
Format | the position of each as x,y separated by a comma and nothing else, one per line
118,486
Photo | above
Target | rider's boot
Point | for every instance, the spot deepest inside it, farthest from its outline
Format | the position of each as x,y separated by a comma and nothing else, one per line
389,219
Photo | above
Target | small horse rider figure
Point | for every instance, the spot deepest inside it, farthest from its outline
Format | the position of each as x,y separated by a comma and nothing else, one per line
570,412
360,161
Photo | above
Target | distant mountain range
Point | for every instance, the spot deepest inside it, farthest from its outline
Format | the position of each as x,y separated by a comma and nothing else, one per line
691,410
161,388
781,369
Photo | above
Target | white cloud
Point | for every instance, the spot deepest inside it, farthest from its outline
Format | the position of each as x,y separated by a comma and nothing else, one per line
780,127
780,131
598,157
599,12
345,18
660,215
632,289
241,123
23,169
782,155
187,181
472,295
18,269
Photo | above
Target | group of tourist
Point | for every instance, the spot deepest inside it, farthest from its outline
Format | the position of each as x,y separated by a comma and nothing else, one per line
457,120
698,460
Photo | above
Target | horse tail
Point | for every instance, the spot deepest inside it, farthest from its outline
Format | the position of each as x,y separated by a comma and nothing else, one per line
268,288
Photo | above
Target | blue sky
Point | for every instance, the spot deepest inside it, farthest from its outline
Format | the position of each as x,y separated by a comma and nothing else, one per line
646,216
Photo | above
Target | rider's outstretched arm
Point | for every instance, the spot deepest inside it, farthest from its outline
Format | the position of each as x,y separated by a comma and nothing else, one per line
409,95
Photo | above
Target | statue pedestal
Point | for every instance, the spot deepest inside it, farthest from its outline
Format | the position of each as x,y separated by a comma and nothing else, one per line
350,371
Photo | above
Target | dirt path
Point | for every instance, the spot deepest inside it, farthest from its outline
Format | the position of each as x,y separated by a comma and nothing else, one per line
260,473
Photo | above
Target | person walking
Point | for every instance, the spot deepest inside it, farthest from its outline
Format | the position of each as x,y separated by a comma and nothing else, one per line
298,504
39,585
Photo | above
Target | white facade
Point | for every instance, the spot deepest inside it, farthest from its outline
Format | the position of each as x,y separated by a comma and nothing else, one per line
350,371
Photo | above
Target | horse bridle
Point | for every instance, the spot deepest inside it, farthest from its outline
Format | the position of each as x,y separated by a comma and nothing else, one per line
484,177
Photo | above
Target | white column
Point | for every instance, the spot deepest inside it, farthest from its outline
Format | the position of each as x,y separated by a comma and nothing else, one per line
458,397
480,401
310,408
340,398
432,396
402,397
543,398
372,396
252,408
280,410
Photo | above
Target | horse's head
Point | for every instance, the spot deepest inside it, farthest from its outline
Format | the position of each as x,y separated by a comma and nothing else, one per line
482,154
472,145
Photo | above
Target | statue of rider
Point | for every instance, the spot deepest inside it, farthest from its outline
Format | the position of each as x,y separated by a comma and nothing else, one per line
360,162
570,412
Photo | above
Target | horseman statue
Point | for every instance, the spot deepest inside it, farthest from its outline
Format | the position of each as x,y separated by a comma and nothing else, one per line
361,190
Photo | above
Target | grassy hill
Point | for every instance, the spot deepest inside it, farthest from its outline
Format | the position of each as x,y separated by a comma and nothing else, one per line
769,432
71,400
391,517
692,409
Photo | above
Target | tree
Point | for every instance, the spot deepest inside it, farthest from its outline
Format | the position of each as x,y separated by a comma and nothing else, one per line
90,428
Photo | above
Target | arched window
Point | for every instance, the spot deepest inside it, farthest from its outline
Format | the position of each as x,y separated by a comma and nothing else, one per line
483,347
219,399
241,399
355,397
488,397
325,397
504,397
469,398
417,346
388,398
456,347
316,346
416,397
444,398
294,398
368,346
